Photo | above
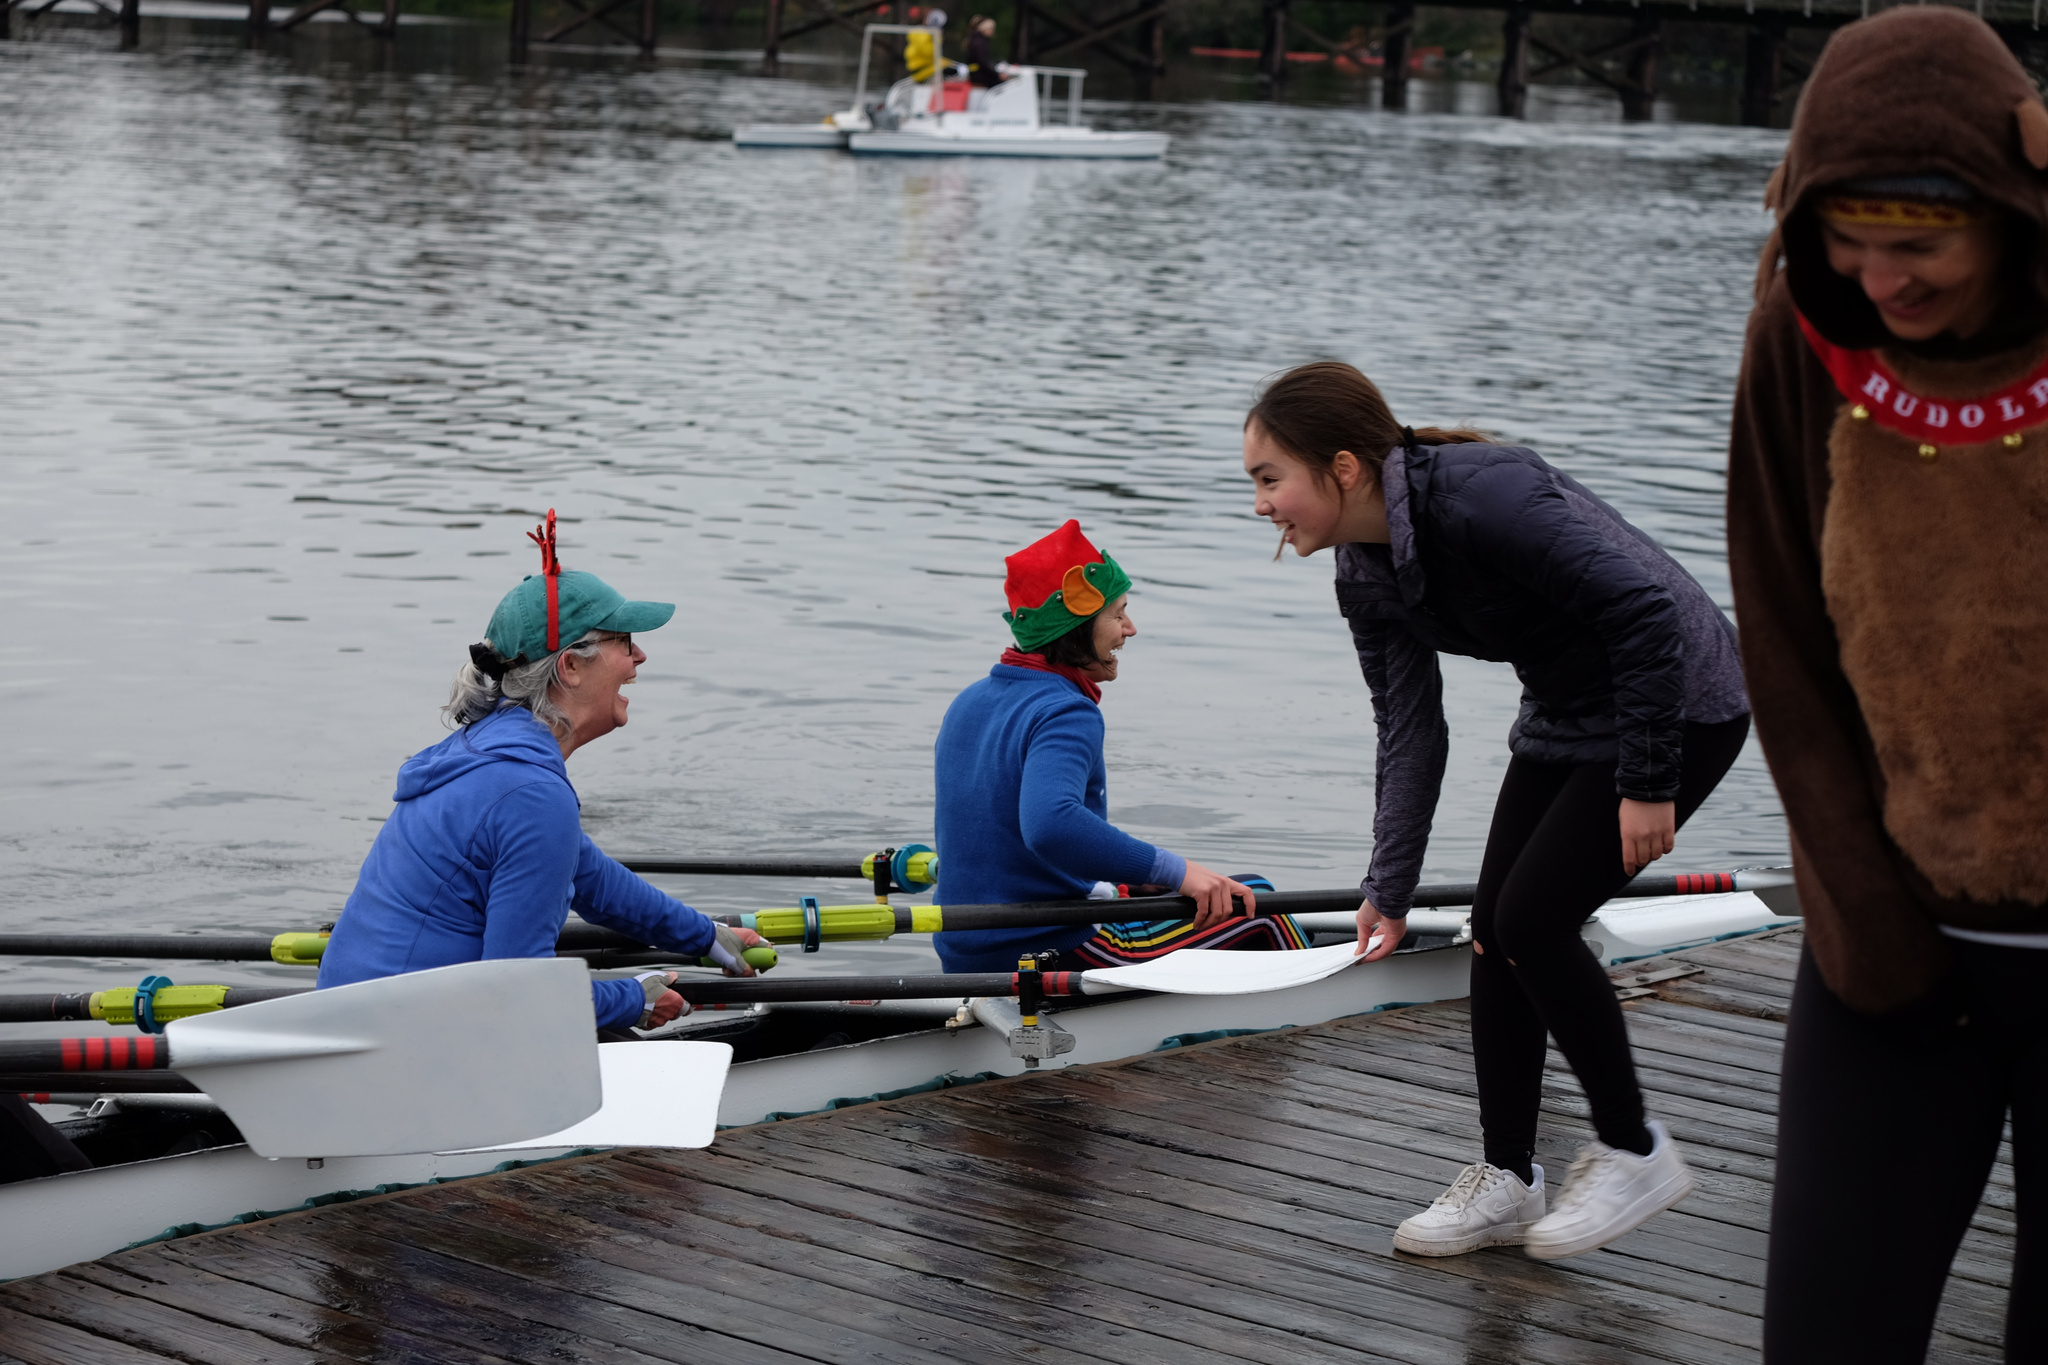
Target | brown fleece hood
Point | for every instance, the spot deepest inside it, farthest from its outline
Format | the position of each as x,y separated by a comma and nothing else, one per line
1919,90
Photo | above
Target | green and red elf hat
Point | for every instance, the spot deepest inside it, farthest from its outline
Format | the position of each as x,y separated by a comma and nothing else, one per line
1056,584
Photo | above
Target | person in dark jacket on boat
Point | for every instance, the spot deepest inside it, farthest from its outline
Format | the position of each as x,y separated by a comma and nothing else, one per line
1023,794
1632,710
483,855
982,67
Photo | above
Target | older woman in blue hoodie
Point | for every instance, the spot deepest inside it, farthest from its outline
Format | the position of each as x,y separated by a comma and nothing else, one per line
484,855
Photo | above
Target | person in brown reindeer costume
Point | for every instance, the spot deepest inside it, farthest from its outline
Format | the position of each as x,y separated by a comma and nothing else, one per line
1888,538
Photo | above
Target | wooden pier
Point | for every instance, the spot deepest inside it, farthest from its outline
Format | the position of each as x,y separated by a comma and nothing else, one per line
1223,1203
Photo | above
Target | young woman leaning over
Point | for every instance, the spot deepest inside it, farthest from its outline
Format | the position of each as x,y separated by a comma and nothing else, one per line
1632,709
1888,538
1023,794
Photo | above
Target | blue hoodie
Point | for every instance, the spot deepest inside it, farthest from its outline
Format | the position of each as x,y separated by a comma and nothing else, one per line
484,857
1021,813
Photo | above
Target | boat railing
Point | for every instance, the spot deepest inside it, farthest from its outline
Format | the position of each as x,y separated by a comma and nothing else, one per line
867,42
1046,75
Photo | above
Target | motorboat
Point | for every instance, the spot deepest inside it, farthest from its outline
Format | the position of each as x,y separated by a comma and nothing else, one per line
947,115
170,1163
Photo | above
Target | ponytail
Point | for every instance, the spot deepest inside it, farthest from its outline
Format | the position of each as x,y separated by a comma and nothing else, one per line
1314,411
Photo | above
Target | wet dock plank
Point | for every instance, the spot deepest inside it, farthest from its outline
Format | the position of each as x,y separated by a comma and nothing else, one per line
1232,1202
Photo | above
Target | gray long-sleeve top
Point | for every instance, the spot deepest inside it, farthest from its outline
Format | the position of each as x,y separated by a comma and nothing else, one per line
1494,554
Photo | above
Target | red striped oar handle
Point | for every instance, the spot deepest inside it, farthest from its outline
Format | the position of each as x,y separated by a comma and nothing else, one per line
117,1052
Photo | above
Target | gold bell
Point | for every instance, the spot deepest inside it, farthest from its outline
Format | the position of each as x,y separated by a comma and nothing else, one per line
2012,440
1928,452
1860,413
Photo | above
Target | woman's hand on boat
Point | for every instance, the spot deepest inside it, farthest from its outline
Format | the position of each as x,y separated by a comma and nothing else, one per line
1370,922
1211,893
1648,830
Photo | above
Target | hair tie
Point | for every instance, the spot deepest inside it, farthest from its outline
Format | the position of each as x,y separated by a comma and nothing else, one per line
1408,439
490,665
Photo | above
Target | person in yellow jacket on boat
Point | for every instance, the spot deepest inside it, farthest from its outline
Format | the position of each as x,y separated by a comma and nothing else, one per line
921,52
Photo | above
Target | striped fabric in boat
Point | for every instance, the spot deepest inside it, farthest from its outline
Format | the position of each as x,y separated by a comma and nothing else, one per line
1128,941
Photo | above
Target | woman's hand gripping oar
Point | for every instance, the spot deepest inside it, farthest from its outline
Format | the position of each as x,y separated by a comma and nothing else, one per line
729,951
1215,897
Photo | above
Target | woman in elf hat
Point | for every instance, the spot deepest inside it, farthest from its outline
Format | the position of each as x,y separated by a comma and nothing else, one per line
1888,540
1022,791
1632,709
483,855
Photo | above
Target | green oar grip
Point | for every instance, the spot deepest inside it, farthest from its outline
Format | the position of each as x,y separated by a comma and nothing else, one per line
171,1002
760,957
298,950
843,923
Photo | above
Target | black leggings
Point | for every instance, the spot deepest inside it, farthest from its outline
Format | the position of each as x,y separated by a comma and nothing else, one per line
1553,857
1887,1130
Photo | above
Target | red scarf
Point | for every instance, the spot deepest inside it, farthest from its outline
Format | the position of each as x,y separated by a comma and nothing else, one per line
1018,659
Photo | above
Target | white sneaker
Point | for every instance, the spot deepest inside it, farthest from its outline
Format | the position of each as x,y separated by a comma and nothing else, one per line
1484,1207
1609,1192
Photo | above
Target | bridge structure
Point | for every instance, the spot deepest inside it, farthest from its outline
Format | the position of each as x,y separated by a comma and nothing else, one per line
1626,58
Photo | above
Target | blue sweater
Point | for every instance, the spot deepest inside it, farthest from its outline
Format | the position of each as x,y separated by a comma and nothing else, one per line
483,857
1022,801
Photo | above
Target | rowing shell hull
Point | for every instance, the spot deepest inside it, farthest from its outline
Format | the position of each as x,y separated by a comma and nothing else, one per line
789,135
82,1215
1047,142
758,1091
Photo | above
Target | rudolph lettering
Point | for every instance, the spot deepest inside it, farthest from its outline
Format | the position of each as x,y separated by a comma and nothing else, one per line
1879,396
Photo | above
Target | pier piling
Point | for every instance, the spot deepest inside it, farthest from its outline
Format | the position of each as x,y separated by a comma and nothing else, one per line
1514,62
1762,60
1273,43
1394,56
1639,93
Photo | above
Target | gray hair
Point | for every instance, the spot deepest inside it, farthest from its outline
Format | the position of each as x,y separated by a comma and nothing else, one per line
477,694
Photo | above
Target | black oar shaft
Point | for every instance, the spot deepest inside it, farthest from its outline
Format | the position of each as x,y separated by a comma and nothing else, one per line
196,947
750,990
748,867
25,1009
583,938
34,1083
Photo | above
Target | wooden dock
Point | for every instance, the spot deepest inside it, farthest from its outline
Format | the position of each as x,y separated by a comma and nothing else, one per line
1222,1203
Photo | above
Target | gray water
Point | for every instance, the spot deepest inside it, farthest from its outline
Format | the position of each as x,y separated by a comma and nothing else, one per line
295,353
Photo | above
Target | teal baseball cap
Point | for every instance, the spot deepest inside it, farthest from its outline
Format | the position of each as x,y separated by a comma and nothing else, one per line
558,607
583,603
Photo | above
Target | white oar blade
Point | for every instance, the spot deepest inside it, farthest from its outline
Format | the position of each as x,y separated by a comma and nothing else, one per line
655,1095
1219,971
461,1056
